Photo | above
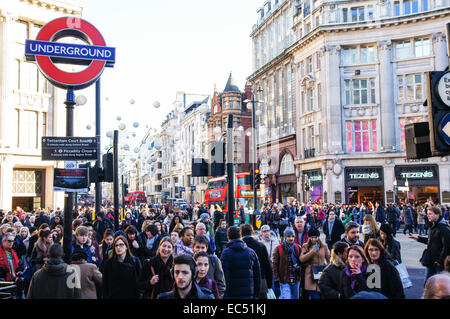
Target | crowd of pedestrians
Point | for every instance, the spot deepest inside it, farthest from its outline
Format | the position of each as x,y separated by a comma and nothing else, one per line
164,252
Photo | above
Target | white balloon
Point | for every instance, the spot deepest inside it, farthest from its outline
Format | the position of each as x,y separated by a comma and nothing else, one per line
119,118
136,149
135,124
122,126
258,112
134,134
109,134
132,101
80,100
88,126
156,104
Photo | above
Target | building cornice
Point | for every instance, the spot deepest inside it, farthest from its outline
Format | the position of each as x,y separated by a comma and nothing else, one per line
57,5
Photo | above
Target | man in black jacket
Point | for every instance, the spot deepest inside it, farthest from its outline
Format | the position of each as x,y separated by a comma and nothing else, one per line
392,215
438,242
333,229
185,286
352,234
241,268
263,258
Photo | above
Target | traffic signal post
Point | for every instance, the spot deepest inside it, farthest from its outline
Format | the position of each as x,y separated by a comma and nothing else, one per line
432,138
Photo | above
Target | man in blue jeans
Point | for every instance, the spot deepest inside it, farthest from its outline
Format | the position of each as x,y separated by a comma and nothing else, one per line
286,266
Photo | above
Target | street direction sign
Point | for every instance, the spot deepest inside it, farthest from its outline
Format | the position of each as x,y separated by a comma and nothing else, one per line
69,148
445,128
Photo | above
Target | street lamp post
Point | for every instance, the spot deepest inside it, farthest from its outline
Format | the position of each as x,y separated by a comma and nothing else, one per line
255,162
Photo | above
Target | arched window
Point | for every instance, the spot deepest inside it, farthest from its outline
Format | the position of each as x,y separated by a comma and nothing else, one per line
287,165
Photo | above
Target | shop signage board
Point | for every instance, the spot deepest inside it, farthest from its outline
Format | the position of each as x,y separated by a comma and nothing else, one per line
69,148
70,180
417,175
359,176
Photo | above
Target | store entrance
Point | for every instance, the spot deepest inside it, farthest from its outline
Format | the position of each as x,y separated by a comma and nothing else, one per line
420,194
27,203
364,194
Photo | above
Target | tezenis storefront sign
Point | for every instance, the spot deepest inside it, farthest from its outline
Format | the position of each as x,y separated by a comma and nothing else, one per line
360,176
418,175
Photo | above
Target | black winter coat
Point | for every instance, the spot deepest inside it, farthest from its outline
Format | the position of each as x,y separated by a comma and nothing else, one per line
393,251
438,242
156,266
336,232
263,258
330,282
391,284
196,292
120,279
242,271
346,291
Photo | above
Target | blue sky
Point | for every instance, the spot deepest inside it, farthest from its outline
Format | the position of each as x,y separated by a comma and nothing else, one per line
167,46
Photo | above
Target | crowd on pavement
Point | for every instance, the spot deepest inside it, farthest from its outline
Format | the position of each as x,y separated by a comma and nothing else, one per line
166,252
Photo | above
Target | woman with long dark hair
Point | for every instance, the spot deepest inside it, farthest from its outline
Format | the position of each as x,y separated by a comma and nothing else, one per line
121,272
175,220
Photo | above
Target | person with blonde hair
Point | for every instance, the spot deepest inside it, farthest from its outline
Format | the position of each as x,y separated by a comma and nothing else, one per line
370,228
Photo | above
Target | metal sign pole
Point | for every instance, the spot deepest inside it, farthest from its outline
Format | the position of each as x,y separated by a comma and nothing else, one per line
98,185
116,179
69,198
230,171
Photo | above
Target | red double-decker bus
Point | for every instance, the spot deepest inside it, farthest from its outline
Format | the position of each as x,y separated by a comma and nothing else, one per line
217,193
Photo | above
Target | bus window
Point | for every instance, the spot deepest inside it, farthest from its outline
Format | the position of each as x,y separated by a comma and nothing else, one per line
216,184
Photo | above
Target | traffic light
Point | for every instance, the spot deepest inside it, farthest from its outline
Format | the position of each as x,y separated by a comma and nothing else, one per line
108,170
217,159
438,87
125,189
257,179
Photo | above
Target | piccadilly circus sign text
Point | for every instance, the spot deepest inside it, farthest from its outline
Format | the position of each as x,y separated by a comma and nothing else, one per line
46,51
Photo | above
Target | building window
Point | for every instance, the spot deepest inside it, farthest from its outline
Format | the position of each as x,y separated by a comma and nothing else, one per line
407,49
21,31
403,50
410,87
361,136
403,122
318,65
29,129
319,148
310,99
309,64
358,55
359,91
410,6
396,8
319,96
357,14
289,98
349,56
345,14
44,123
367,54
422,47
287,165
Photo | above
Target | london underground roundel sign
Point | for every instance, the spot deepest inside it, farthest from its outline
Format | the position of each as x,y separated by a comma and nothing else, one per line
47,52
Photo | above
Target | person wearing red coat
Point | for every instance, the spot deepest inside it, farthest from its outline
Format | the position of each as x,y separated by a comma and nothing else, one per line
9,262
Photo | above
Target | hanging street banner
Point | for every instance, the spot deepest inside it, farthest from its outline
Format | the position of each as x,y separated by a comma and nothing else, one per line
69,148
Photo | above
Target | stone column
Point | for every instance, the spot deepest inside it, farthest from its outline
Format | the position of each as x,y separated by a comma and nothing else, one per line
440,51
333,103
6,182
387,102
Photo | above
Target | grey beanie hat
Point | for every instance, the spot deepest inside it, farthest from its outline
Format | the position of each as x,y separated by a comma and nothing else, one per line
289,232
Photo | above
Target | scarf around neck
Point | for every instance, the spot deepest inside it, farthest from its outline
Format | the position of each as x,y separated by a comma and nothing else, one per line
353,276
